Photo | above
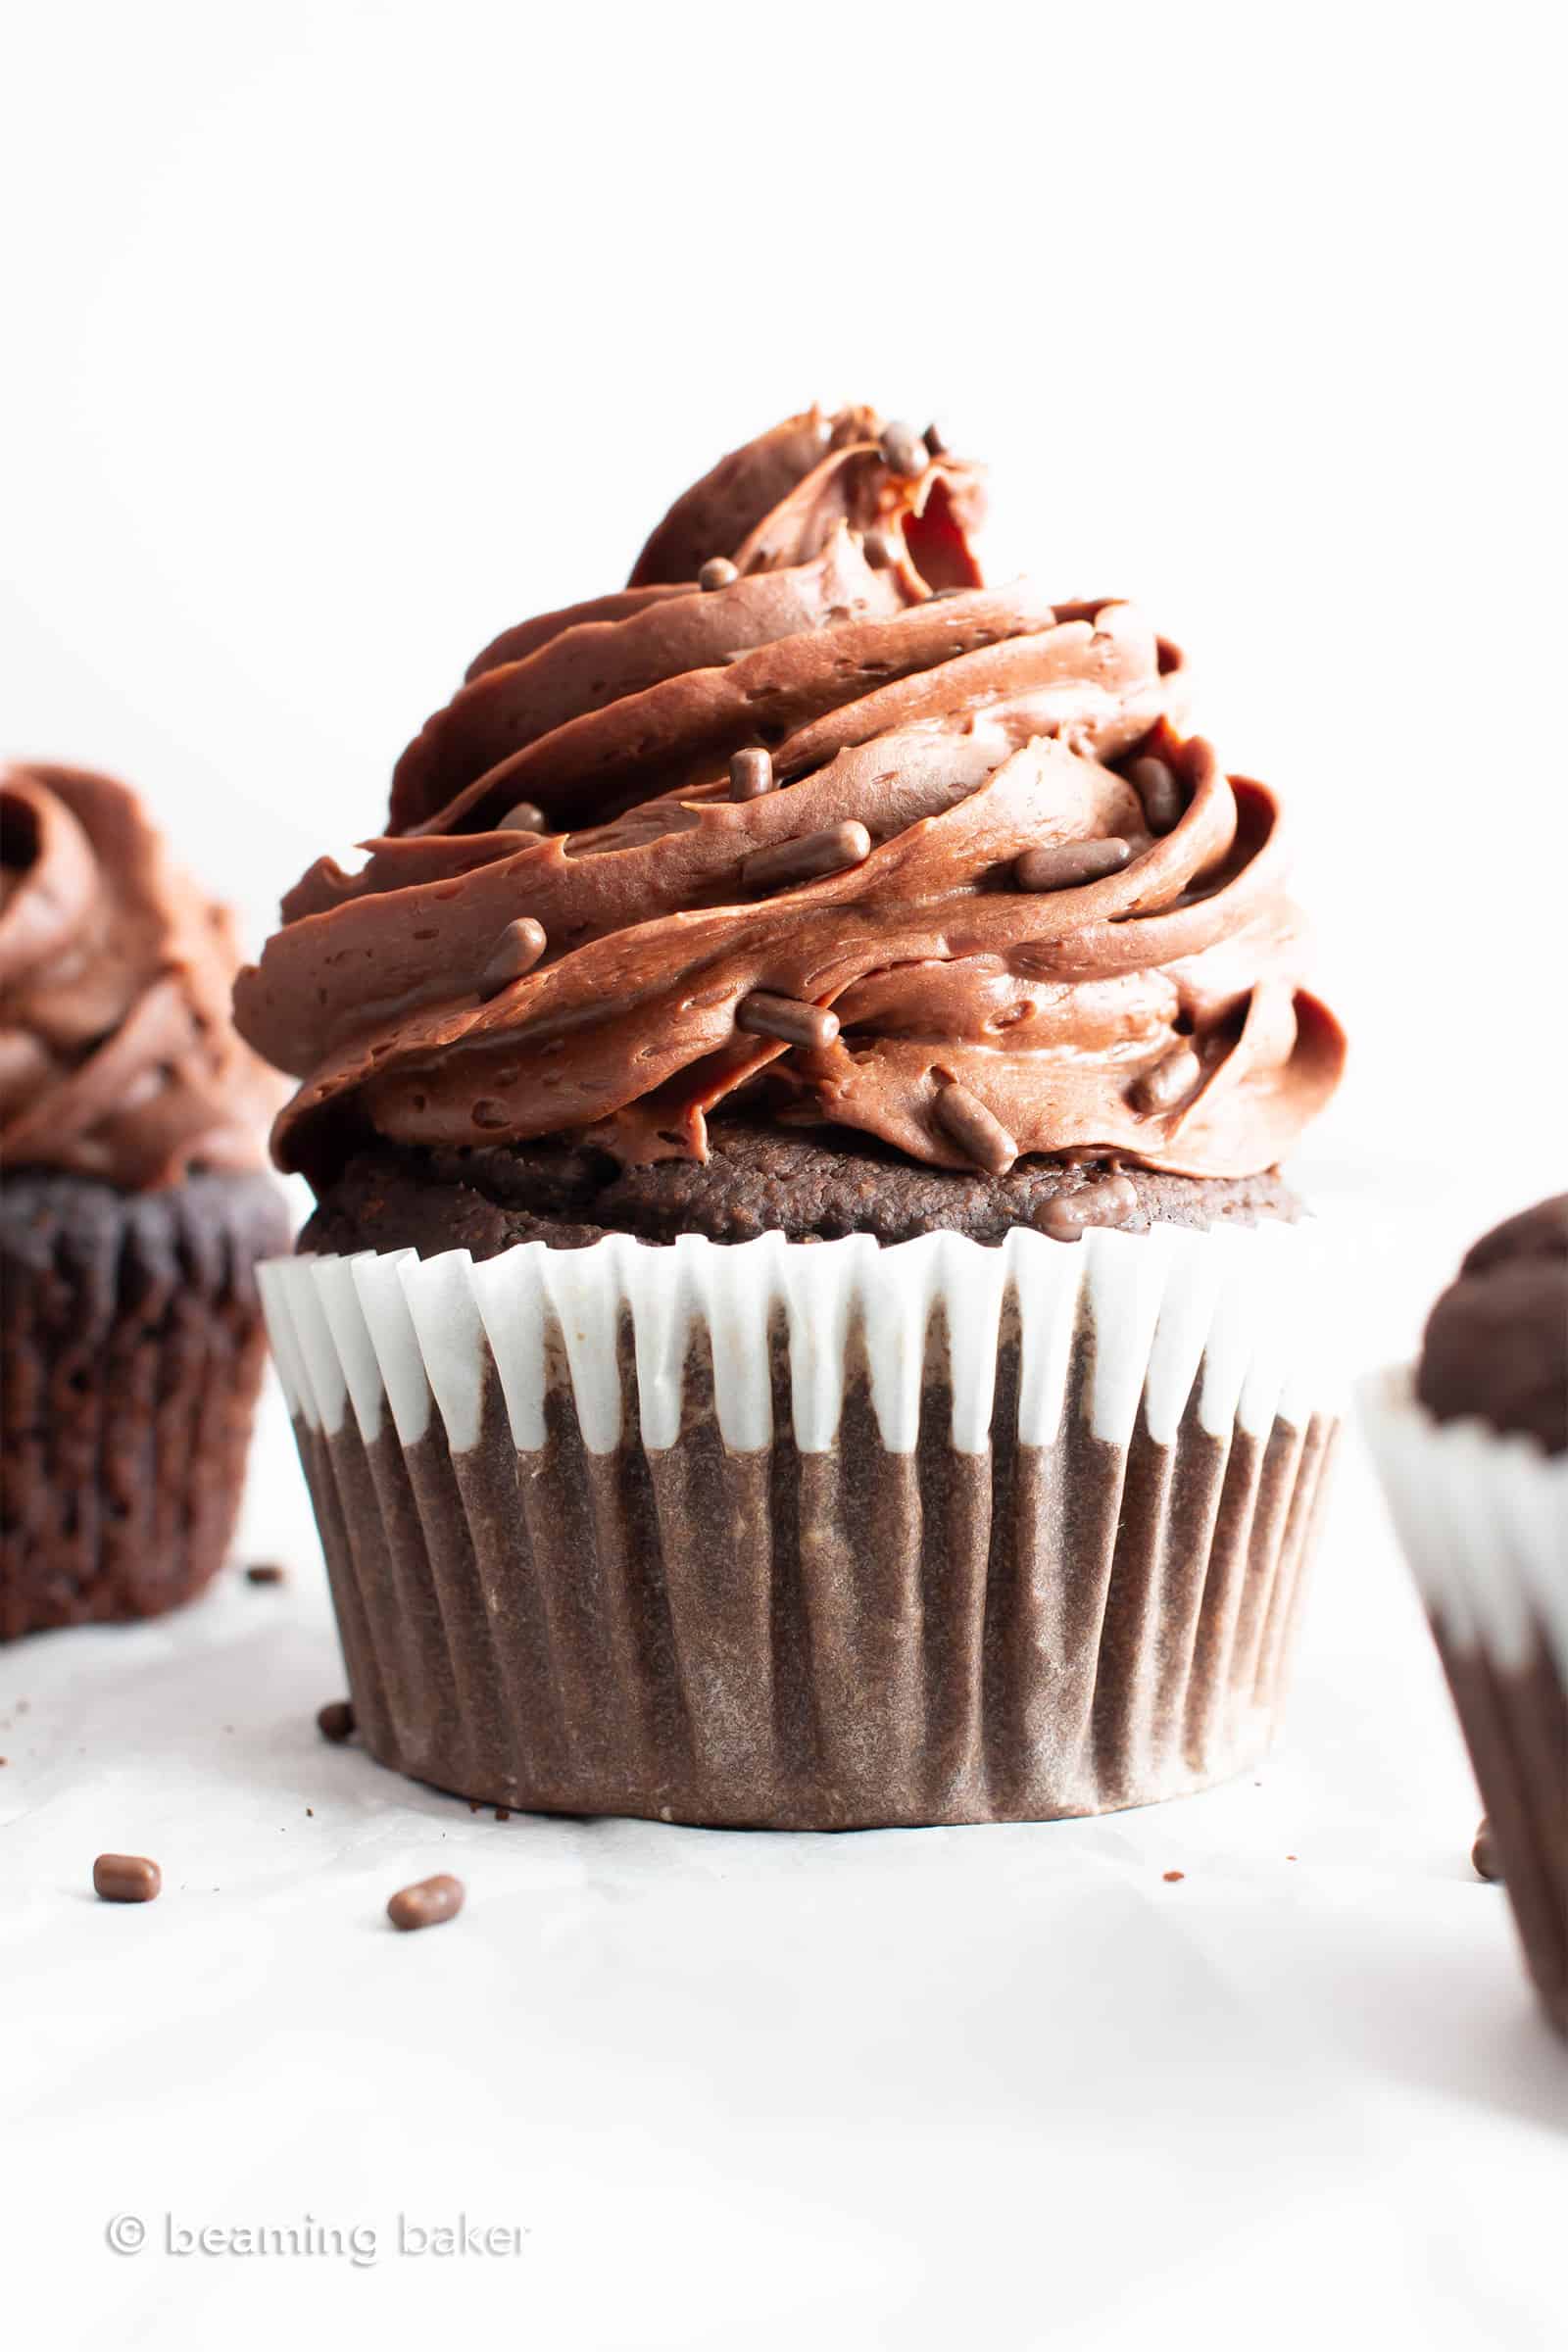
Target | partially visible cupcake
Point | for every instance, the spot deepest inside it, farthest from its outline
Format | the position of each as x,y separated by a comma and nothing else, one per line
1473,1454
804,1324
133,1209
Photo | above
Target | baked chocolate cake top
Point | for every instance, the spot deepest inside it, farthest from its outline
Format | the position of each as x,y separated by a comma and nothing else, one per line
757,1179
119,1058
809,819
1497,1343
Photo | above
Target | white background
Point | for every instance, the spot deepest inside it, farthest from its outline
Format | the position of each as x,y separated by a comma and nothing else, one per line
336,339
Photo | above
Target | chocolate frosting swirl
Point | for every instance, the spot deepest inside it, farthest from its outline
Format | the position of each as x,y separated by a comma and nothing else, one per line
923,731
118,1053
1497,1341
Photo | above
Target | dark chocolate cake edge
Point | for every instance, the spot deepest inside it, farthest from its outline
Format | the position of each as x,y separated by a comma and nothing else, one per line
757,1179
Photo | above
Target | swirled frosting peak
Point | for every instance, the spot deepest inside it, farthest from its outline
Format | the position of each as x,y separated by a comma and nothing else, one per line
810,819
117,1053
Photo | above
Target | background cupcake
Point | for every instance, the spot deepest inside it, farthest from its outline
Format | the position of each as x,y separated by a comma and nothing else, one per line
865,934
133,1211
1473,1453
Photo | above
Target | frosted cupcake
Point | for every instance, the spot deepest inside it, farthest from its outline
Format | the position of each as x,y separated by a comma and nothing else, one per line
1473,1453
134,1209
802,1324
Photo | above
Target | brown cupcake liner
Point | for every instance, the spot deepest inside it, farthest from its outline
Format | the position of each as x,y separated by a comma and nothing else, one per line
1484,1523
1515,1723
132,1350
824,1630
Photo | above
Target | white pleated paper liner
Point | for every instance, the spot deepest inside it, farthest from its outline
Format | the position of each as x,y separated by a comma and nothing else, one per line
1483,1521
815,1533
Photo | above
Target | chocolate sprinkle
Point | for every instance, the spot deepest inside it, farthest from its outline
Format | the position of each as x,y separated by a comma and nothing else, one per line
717,572
1069,863
427,1903
1110,1201
265,1572
750,774
903,450
514,953
965,1120
127,1879
1156,787
763,1016
335,1721
1169,1082
807,858
526,816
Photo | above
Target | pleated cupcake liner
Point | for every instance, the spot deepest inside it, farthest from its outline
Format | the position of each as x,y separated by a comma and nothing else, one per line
131,1357
1483,1521
815,1534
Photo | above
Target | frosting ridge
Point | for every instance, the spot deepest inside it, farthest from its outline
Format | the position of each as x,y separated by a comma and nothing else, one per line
956,827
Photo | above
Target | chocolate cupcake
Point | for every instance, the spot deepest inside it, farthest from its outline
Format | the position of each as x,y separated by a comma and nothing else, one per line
1473,1454
802,1324
134,1209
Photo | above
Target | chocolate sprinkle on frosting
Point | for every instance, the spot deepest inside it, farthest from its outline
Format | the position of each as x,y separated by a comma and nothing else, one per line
514,953
750,774
1169,1082
903,451
1157,790
978,1134
1070,863
524,816
783,1017
806,858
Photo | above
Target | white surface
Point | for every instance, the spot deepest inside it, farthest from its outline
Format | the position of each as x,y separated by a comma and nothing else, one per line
338,337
